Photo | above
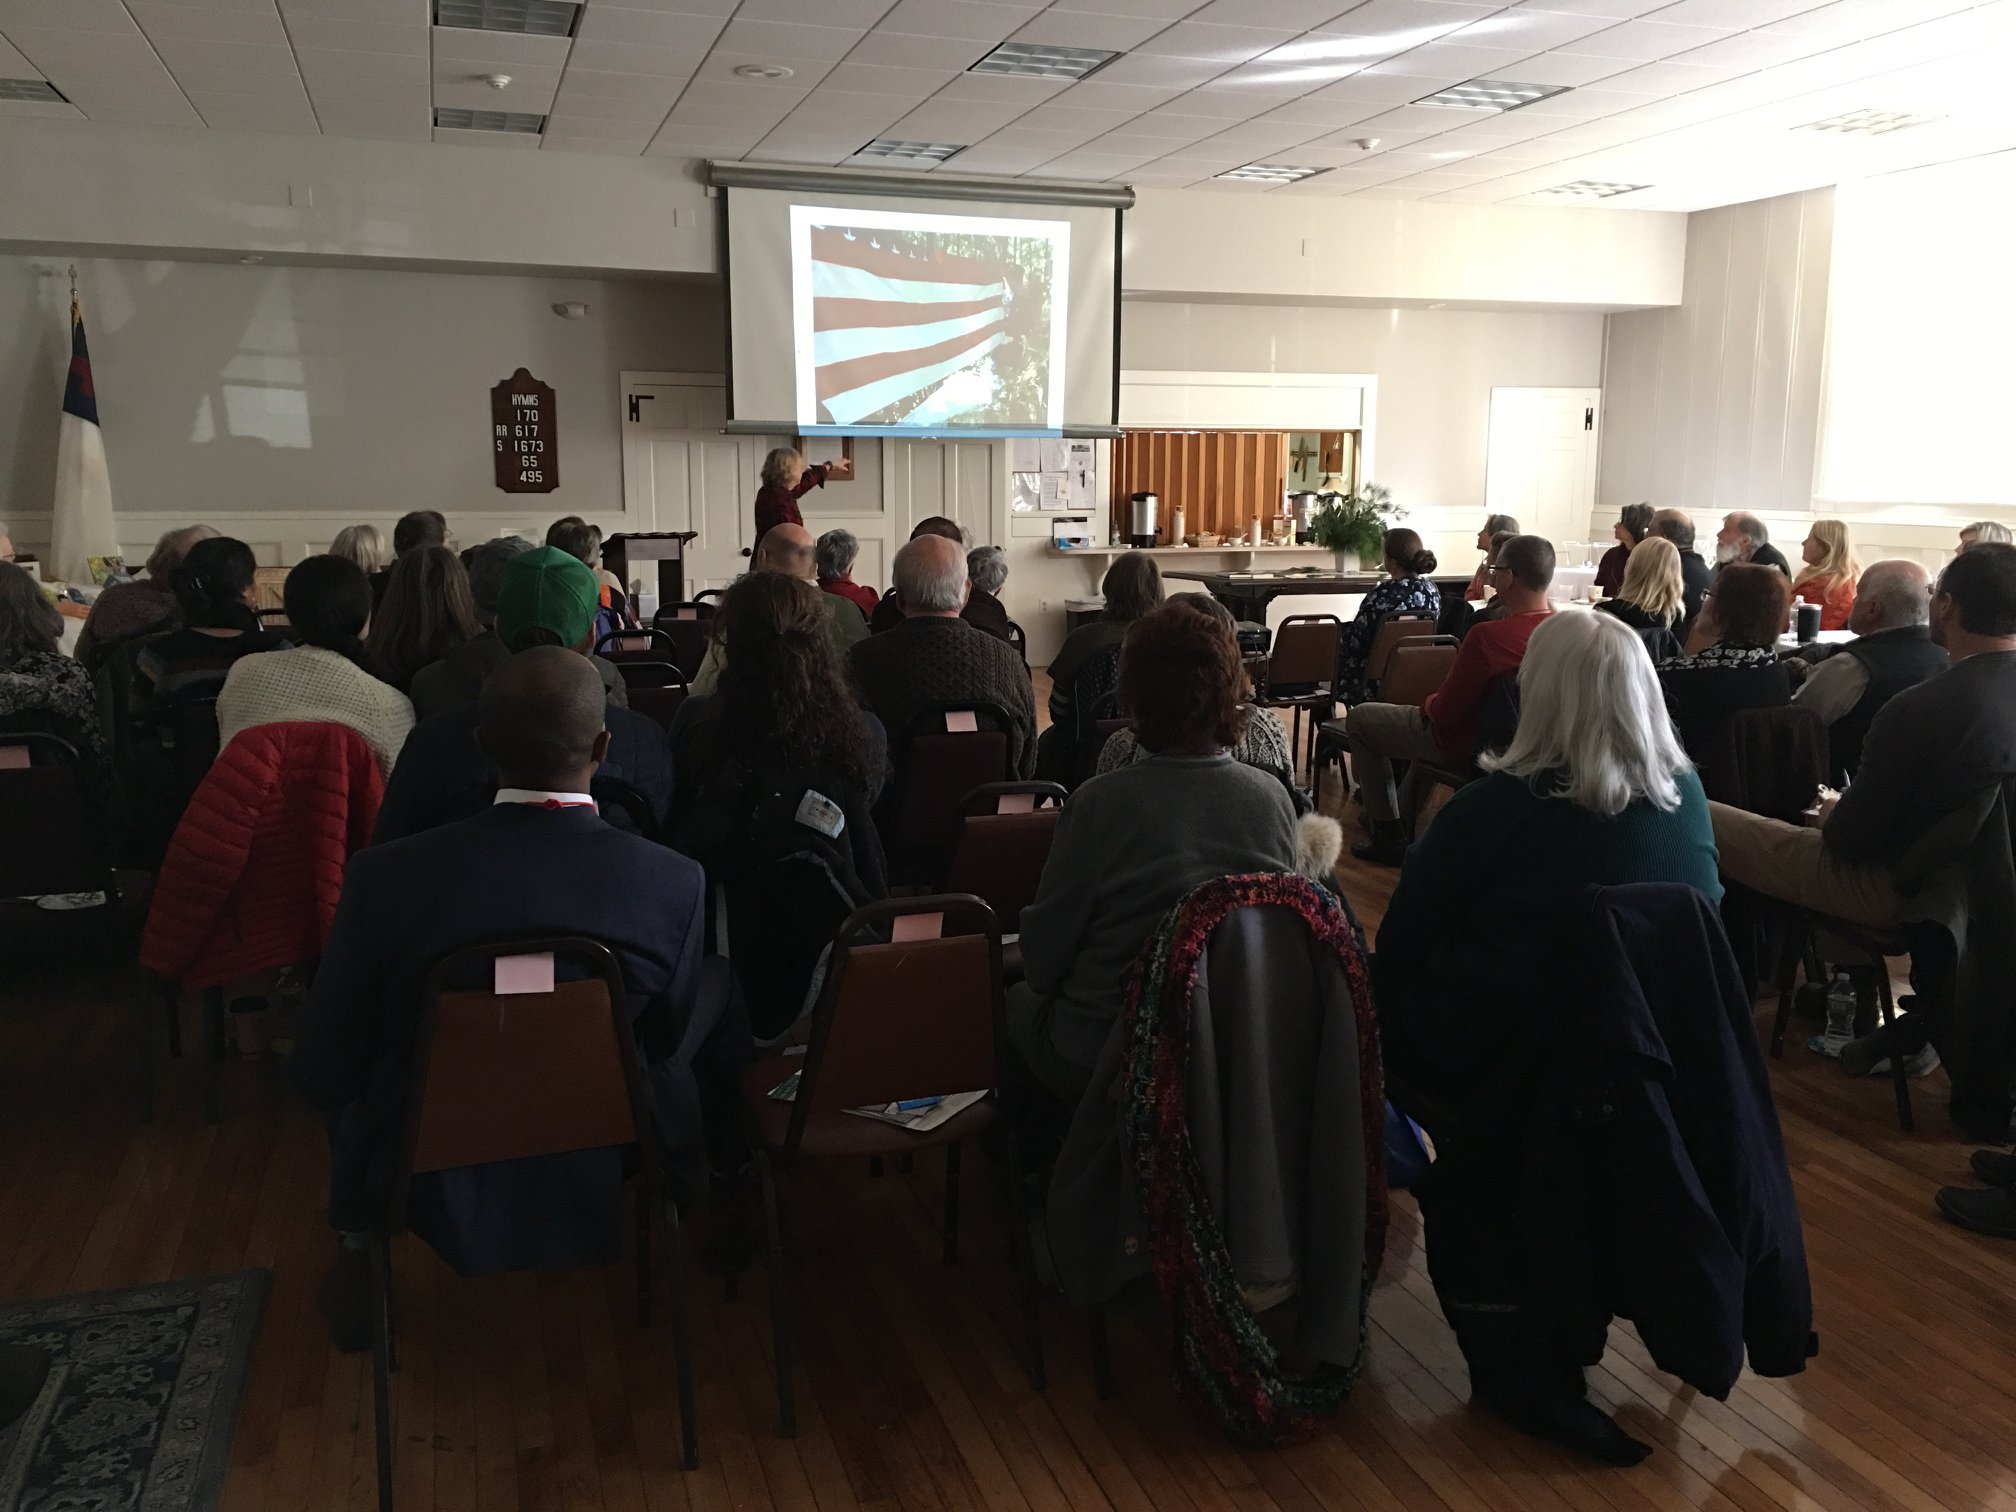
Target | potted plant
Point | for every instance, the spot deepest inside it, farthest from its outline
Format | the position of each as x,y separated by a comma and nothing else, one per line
1353,525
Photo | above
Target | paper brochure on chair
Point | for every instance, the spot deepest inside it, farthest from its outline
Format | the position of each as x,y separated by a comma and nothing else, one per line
924,1114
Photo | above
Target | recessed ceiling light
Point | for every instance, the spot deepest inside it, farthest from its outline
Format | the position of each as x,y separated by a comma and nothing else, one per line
1871,122
1037,60
911,152
532,18
1593,189
32,91
1268,173
761,71
518,122
1491,94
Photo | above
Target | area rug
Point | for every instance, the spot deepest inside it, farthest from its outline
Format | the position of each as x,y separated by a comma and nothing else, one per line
141,1398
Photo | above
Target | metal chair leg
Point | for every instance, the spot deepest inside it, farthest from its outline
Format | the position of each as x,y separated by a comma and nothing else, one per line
780,1333
1790,949
643,1256
952,1203
144,1037
1900,1078
381,1364
213,1050
1025,1264
1102,1355
682,1345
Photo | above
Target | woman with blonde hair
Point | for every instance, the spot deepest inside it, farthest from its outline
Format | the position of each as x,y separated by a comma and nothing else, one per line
1653,593
362,544
786,480
1828,578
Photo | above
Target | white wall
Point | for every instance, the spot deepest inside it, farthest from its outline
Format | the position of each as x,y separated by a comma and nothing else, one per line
305,396
1715,406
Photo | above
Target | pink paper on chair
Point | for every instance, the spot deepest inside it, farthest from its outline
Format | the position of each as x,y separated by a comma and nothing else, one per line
1015,803
524,973
13,758
960,722
917,926
685,614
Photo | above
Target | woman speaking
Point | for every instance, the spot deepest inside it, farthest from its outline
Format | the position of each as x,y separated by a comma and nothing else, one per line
786,480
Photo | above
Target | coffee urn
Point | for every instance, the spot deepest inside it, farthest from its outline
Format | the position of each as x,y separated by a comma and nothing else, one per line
1142,509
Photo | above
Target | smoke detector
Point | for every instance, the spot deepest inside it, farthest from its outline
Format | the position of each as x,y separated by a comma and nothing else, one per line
496,80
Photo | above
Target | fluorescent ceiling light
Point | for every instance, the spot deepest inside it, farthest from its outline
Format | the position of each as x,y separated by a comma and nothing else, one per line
32,91
1038,60
1594,189
911,152
1491,94
532,18
1871,122
517,122
1269,173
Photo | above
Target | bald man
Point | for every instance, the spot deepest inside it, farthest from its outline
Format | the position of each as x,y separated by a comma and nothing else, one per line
539,861
788,549
1892,651
1695,573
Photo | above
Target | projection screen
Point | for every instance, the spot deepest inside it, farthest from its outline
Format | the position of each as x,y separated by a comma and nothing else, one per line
874,314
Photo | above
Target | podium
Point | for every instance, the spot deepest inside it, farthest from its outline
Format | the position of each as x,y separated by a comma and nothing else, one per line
626,554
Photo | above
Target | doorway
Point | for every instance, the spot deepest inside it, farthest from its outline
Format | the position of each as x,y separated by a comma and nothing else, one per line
681,473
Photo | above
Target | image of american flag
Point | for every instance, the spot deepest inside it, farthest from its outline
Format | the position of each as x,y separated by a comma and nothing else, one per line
895,316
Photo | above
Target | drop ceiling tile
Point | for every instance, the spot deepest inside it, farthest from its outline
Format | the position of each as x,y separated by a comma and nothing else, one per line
249,58
1575,105
1162,10
1751,50
972,19
798,150
1134,141
1233,103
1378,88
1141,68
553,141
141,115
1420,120
1040,136
1644,41
861,13
390,12
852,111
1131,99
623,24
955,121
1413,21
410,125
578,104
572,123
874,78
1736,14
236,81
355,94
1175,127
510,141
152,94
1669,78
1311,110
703,141
211,23
1090,163
1532,28
1166,175
717,10
529,95
624,86
54,51
327,63
335,34
1292,15
1613,10
13,65
720,65
1001,88
988,158
716,117
1261,137
108,16
824,44
1569,69
1454,62
1059,116
1224,45
736,96
626,57
906,50
240,112
498,49
1087,29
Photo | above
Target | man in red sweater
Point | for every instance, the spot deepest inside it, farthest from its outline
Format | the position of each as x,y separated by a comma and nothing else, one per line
1445,727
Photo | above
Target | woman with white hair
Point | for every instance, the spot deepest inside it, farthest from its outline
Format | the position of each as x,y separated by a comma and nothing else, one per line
786,480
361,544
833,555
987,568
1981,531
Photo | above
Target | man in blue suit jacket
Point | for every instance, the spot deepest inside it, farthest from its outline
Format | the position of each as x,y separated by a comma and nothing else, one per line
539,860
548,599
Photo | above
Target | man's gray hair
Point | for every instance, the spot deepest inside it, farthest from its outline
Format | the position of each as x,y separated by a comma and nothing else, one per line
1899,590
487,563
1988,530
987,566
931,576
835,552
1758,532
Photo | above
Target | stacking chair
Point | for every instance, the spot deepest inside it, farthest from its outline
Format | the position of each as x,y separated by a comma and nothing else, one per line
1415,667
944,757
911,1009
647,659
512,1076
1818,937
1391,632
1005,830
687,626
1302,674
1497,723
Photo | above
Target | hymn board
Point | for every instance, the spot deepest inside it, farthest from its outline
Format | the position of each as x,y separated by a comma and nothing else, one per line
525,436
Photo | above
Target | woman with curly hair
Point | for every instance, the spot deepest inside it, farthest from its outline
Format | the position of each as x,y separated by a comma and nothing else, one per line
40,688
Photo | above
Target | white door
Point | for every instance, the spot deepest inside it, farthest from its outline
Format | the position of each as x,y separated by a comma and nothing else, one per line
1540,465
681,473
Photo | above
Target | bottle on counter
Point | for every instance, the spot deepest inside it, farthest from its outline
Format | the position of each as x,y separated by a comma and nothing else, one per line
1176,522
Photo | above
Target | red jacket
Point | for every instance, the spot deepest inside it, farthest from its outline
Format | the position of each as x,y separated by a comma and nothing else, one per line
251,878
1489,651
847,588
778,505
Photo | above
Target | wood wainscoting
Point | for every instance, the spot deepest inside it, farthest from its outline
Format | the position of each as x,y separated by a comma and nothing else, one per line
1221,478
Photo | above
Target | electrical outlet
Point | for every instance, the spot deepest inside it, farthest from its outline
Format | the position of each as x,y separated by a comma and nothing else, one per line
1045,605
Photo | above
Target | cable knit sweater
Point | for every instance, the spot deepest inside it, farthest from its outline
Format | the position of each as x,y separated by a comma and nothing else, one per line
928,661
311,685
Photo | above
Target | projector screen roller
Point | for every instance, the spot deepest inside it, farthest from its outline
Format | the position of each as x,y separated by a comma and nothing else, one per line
910,315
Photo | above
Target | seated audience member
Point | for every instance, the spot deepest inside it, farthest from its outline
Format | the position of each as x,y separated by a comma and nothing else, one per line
1262,743
1407,590
322,679
421,528
548,599
1494,526
888,614
362,544
583,541
1653,594
1634,521
539,861
1445,728
786,480
1733,662
1695,574
781,720
1745,538
987,568
834,553
1132,588
1985,530
1492,609
425,613
40,688
144,606
458,677
215,588
1135,840
787,549
1932,753
1892,651
1829,574
934,658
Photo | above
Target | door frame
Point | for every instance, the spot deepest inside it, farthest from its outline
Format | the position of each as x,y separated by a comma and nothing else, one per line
1585,518
626,379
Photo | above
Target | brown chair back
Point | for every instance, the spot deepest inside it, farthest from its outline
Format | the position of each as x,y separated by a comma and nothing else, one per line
935,770
688,627
900,1020
1416,669
1000,858
658,702
1397,628
1305,651
50,818
509,1076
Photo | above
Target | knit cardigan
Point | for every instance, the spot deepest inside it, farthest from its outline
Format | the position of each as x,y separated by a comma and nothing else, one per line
311,685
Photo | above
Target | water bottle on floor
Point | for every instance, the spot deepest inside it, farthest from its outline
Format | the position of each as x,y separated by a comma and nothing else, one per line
1840,1014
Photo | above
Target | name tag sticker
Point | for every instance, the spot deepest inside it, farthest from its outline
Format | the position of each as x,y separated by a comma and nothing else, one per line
13,758
961,722
686,614
1015,803
818,812
917,926
521,974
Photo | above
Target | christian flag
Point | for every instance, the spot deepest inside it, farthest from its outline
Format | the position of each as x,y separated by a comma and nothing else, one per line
888,322
84,533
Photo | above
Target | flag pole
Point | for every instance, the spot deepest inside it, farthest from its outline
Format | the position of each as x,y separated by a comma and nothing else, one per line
73,291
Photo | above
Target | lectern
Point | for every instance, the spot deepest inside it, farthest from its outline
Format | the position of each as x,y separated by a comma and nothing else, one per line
625,555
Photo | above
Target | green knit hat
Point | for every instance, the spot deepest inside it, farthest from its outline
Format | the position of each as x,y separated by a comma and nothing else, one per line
547,591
